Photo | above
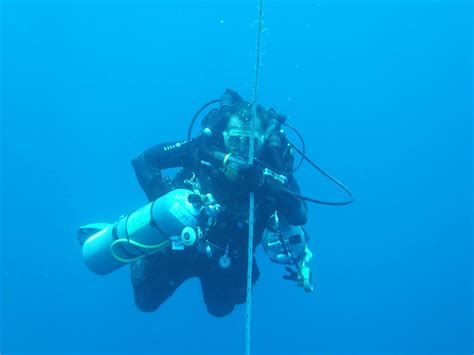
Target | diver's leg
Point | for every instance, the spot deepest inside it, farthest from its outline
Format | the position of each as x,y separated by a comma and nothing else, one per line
224,288
156,277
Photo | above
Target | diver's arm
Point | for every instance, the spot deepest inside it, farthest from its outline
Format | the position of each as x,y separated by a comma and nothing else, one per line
295,212
287,244
280,158
149,164
291,208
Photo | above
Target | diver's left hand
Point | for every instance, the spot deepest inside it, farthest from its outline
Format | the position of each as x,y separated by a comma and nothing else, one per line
302,278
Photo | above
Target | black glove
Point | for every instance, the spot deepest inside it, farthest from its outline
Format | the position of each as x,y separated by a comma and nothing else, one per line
272,186
302,280
292,274
250,177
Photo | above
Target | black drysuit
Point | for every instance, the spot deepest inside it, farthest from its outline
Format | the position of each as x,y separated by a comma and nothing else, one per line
157,276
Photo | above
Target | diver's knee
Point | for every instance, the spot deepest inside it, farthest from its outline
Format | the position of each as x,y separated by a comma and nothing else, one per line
221,310
145,305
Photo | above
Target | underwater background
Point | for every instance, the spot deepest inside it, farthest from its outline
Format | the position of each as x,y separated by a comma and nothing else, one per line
380,90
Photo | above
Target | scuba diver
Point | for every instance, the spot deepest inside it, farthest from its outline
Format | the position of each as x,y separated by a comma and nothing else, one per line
221,264
196,223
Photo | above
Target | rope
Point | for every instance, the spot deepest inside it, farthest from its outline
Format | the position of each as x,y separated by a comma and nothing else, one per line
252,196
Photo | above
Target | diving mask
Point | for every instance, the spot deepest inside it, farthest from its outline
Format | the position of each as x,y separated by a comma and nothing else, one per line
237,141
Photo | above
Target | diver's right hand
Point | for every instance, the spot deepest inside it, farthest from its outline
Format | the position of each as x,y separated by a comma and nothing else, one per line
250,177
272,186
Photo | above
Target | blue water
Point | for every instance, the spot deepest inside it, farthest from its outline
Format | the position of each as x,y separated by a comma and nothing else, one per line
381,90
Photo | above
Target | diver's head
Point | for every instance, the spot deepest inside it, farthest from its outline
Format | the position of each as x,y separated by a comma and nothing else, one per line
237,132
230,126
